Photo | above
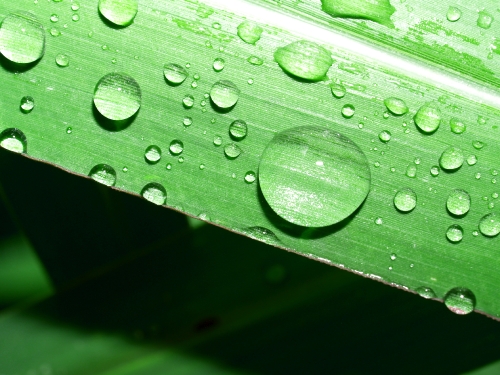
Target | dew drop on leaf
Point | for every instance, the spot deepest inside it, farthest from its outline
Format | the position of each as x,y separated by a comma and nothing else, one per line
238,130
176,147
374,10
22,38
484,19
453,14
249,32
255,60
314,177
338,90
396,106
27,104
188,101
219,64
455,233
152,155
348,110
155,193
451,159
224,94
457,126
174,73
262,234
188,121
217,140
471,159
119,12
458,202
385,136
117,96
304,59
405,200
428,118
13,140
461,301
232,151
250,177
425,292
62,60
104,174
489,225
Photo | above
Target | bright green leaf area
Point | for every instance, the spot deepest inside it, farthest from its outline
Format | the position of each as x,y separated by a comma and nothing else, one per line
207,179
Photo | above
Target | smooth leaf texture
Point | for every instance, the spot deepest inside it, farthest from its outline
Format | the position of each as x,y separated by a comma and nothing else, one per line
207,179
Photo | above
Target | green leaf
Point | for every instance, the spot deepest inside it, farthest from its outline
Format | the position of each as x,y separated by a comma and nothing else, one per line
103,104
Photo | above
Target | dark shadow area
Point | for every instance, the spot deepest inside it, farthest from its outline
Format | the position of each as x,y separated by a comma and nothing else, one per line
300,231
12,67
111,125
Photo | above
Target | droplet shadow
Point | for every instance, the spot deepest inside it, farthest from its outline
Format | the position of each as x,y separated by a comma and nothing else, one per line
221,110
112,125
13,67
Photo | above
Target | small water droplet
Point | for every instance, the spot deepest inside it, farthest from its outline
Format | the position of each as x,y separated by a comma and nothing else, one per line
155,193
455,233
174,73
425,292
224,94
255,60
411,171
69,130
405,200
396,106
338,90
75,17
249,32
188,121
238,130
295,176
104,174
180,160
304,59
62,60
219,64
169,166
250,177
458,202
217,140
379,221
54,18
453,14
176,147
478,145
393,256
27,104
348,110
461,301
216,25
152,154
117,96
484,19
232,151
489,225
202,166
471,159
125,169
451,159
385,136
13,140
22,38
457,126
119,12
188,101
250,81
54,32
428,118
477,175
75,6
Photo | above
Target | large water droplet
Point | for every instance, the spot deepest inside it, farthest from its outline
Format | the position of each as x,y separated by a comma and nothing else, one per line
396,106
22,38
174,74
405,200
428,118
303,59
119,12
374,10
104,174
14,140
458,202
224,94
425,292
455,233
238,130
489,225
176,147
313,176
249,32
155,193
457,126
232,151
117,96
484,19
152,154
188,101
453,14
451,159
27,104
461,301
